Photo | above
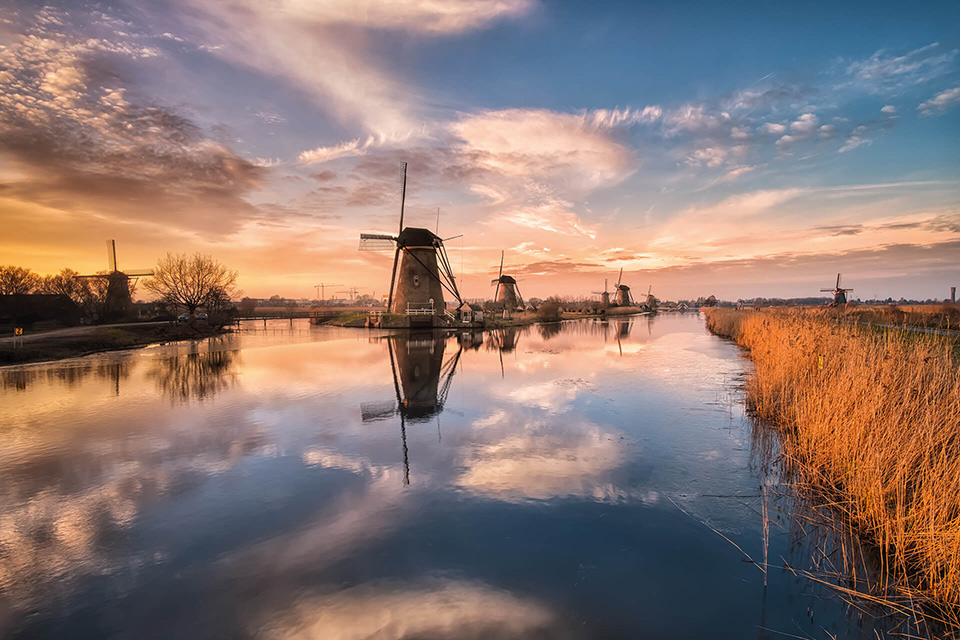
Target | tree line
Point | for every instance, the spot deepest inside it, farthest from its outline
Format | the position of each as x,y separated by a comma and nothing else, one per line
180,282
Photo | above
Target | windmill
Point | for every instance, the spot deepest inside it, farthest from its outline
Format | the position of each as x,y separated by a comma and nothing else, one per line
652,303
416,288
507,292
624,299
839,294
604,295
421,381
117,300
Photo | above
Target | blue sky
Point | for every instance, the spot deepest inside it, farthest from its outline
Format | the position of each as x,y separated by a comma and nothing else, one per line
704,148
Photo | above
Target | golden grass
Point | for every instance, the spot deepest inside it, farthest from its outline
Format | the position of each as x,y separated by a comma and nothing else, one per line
873,419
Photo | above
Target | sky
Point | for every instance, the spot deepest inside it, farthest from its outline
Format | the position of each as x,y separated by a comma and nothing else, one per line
738,150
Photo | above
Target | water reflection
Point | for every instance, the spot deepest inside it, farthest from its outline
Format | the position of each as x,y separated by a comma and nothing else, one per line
543,505
421,380
195,375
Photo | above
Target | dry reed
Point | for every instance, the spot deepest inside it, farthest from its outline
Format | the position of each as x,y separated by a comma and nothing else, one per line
874,424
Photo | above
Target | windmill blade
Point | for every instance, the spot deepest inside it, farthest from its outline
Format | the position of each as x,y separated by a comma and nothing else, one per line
838,281
649,290
620,277
826,290
459,235
393,277
403,192
140,272
375,411
111,255
501,264
377,242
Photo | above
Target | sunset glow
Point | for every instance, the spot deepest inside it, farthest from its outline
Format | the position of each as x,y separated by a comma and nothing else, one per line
704,151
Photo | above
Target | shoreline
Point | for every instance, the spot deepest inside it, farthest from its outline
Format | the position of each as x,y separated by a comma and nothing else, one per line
867,420
58,346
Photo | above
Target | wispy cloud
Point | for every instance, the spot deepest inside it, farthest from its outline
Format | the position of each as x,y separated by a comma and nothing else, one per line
940,102
886,72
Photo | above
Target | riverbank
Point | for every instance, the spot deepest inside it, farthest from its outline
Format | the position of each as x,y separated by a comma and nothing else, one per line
871,424
359,319
81,341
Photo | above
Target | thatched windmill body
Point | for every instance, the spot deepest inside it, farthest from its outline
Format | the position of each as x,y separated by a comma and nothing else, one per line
624,298
507,292
839,294
117,301
420,277
652,303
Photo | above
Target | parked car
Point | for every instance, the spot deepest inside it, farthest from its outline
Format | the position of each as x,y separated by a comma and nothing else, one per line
183,317
201,316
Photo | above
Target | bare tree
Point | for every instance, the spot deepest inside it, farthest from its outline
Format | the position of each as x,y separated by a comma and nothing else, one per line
191,281
17,280
65,283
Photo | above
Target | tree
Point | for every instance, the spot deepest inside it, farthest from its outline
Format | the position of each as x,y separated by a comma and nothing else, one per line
191,281
17,280
65,283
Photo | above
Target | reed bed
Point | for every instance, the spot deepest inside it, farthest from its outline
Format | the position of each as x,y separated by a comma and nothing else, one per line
873,419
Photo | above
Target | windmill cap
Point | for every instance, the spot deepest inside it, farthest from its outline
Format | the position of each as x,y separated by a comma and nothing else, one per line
417,237
508,280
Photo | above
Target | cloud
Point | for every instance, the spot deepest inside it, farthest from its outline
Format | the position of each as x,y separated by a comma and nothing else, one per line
79,142
691,118
710,157
805,125
335,152
940,102
888,109
884,72
328,50
733,174
773,128
855,139
827,131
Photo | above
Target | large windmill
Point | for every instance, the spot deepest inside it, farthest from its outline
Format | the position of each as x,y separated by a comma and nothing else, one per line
507,292
604,295
117,301
839,294
416,288
624,298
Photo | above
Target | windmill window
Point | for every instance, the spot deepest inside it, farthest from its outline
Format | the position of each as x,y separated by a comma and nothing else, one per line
416,280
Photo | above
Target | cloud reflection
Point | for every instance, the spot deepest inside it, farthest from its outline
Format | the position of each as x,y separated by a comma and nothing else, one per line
436,608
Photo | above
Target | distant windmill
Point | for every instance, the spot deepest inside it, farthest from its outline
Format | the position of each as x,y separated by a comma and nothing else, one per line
424,273
652,303
507,292
624,299
117,301
839,294
604,295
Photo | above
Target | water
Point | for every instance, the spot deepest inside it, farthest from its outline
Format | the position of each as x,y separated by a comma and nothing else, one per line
583,480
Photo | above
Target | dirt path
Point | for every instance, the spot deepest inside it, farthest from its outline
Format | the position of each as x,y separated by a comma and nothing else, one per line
72,331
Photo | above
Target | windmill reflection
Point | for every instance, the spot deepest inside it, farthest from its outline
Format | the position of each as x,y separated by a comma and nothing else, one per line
421,381
504,341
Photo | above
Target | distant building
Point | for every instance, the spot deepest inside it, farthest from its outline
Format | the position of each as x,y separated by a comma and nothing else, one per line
30,309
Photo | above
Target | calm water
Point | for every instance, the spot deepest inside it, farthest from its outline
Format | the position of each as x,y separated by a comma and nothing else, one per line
563,481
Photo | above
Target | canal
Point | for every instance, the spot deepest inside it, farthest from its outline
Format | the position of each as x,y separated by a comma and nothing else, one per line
589,479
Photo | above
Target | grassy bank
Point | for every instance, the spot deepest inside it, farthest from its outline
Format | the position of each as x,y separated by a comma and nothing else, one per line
56,346
873,425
